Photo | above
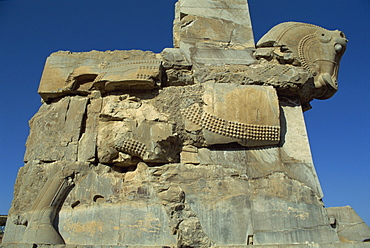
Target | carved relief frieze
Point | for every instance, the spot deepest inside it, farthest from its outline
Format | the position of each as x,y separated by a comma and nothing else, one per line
229,128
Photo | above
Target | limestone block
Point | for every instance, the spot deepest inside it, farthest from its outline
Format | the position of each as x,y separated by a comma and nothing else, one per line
40,192
309,245
295,152
292,156
174,57
156,136
108,208
130,107
132,223
55,130
216,57
202,145
248,115
13,233
214,22
40,221
87,143
233,209
223,195
282,205
131,128
67,72
349,226
177,68
293,205
214,33
235,103
322,236
252,163
179,77
189,154
212,197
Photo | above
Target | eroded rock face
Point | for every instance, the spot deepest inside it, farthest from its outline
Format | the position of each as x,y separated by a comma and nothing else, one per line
77,73
350,227
201,145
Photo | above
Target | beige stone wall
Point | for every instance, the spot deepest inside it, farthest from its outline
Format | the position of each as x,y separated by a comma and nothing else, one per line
202,145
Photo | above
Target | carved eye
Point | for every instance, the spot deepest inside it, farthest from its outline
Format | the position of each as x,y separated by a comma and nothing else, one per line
323,37
338,48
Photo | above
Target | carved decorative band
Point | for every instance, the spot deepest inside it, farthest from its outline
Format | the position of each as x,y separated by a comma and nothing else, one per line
194,114
266,70
148,67
278,72
132,147
229,128
301,53
150,64
142,76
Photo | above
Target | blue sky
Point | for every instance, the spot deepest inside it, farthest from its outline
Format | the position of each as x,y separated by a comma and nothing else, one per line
338,128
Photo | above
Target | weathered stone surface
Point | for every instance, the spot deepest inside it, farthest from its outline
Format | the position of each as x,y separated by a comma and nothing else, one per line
216,22
87,141
293,156
308,245
278,208
248,115
55,130
66,72
136,214
202,145
134,127
214,32
36,205
350,227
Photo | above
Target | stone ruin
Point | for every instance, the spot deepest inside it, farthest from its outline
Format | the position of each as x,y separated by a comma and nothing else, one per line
202,145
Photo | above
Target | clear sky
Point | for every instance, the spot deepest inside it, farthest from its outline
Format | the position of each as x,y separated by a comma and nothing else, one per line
338,128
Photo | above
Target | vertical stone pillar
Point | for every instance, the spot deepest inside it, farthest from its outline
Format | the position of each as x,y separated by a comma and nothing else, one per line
214,32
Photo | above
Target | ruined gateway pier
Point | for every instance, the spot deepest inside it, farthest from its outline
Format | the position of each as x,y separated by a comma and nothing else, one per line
202,145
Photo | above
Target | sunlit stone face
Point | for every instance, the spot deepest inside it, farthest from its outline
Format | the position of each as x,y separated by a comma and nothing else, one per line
316,49
321,54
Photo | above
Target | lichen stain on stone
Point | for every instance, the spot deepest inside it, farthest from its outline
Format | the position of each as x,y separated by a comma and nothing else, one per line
88,228
148,225
302,215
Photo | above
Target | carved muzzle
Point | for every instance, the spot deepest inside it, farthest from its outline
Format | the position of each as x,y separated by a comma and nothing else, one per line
318,50
320,53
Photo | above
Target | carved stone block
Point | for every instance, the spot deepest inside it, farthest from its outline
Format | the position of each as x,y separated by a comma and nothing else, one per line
202,145
248,115
67,72
55,130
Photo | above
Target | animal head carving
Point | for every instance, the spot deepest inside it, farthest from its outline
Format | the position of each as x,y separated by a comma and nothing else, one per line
317,49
